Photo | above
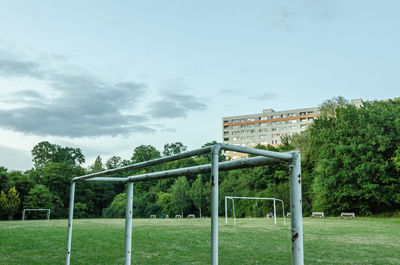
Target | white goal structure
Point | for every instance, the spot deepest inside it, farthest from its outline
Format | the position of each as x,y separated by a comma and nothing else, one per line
263,157
252,198
31,210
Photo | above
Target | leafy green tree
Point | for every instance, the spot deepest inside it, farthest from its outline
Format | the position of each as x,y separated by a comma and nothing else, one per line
144,153
98,165
165,201
114,162
10,202
117,208
45,152
23,182
329,106
3,178
41,197
396,159
174,149
354,169
70,156
80,209
180,194
198,194
57,177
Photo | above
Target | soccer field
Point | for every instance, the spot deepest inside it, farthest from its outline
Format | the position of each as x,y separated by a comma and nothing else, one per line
187,241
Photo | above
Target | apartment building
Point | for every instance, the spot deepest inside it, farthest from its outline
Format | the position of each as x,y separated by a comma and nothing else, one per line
268,127
265,128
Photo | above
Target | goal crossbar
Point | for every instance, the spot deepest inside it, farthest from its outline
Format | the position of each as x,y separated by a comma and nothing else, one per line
265,158
31,210
252,198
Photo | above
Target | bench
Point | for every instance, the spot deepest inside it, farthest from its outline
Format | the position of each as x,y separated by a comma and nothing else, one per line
191,216
350,215
153,216
288,215
315,214
166,216
178,216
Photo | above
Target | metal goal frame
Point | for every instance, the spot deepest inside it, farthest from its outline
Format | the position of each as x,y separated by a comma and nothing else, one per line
264,157
31,210
252,198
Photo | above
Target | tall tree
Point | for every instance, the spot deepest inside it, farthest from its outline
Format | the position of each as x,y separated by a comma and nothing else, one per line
198,194
174,149
329,106
354,169
180,194
10,202
3,178
114,162
41,197
98,165
144,153
45,152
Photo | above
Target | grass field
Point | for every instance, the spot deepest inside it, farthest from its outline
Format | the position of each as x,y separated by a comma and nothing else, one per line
187,241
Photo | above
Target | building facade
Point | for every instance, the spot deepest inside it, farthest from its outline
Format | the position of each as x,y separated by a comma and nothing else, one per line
268,127
265,128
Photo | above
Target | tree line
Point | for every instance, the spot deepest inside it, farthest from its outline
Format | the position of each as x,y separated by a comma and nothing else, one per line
350,162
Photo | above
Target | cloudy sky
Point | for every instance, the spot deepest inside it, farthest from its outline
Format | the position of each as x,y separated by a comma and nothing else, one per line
107,76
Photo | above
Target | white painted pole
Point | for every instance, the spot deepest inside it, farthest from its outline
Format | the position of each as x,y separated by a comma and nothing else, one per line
214,203
23,215
70,217
226,212
283,213
234,215
128,223
296,211
274,212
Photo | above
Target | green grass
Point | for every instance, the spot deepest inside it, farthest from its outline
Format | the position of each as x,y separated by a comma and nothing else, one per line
187,241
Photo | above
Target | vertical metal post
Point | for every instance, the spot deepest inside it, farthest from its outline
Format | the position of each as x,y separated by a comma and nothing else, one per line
226,212
23,215
274,212
128,223
234,215
296,211
48,215
214,203
70,217
283,213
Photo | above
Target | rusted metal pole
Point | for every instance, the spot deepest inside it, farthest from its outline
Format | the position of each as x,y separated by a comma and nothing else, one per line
214,203
70,217
128,223
296,211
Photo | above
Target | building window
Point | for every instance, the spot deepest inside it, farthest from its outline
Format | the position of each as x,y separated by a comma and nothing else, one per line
262,130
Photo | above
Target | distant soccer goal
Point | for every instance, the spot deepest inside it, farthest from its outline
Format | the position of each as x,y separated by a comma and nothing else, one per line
31,210
252,198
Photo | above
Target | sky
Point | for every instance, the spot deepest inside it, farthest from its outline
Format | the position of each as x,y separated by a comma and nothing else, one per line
108,76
